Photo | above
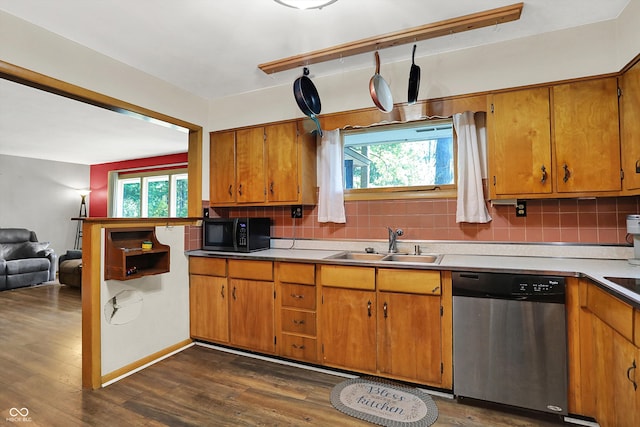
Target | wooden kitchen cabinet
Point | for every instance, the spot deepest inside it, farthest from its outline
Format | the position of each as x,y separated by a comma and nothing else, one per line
251,305
630,128
410,342
263,165
222,162
348,317
208,299
558,141
520,143
609,358
586,134
296,318
250,167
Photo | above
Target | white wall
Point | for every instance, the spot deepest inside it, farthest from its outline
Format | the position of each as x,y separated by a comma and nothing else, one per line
163,320
41,195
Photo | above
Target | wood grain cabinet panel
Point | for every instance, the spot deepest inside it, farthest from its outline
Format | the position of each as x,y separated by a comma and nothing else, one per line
298,296
251,314
630,128
298,321
222,163
587,136
209,308
520,142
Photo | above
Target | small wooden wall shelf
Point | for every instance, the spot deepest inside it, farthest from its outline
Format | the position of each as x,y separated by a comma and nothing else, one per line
124,257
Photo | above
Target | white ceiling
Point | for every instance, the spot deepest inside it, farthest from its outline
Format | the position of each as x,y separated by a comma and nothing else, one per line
212,47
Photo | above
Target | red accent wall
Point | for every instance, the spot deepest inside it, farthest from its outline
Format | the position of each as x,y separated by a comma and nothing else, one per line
99,178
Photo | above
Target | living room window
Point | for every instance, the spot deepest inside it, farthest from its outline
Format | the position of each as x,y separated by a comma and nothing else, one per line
156,194
409,159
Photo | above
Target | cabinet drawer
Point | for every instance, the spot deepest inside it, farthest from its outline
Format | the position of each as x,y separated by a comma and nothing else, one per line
611,311
299,347
253,270
208,266
290,272
299,322
298,296
339,276
409,281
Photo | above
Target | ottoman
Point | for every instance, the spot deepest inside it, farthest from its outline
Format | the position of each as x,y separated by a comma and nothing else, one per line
70,273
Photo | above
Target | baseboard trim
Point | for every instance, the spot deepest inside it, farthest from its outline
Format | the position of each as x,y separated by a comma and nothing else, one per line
139,365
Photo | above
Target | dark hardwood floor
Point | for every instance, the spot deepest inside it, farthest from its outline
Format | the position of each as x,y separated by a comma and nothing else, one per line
40,363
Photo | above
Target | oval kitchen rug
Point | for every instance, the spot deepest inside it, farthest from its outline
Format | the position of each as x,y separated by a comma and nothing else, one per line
385,404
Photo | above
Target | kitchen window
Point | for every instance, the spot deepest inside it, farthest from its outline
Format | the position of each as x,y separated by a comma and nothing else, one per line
151,194
414,159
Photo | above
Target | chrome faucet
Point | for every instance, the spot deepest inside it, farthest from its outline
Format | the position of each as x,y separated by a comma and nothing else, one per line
393,239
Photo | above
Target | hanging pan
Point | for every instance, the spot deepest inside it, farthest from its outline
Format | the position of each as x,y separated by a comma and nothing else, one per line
414,78
307,97
379,89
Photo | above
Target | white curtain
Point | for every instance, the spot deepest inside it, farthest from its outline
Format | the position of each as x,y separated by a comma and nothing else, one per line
331,192
472,166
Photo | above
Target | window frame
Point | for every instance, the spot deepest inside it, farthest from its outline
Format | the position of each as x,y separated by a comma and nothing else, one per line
411,192
144,177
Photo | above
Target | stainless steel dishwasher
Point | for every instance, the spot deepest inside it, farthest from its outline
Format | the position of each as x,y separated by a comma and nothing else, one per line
510,340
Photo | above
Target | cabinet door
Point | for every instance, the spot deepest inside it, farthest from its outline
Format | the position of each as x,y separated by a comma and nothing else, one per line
250,165
520,142
282,162
586,135
348,328
614,359
209,309
222,161
630,125
409,336
252,314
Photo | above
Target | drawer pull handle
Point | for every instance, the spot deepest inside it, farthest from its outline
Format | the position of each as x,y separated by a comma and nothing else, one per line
222,292
271,188
434,290
567,173
633,366
384,309
544,174
231,190
298,322
233,294
369,308
298,347
297,296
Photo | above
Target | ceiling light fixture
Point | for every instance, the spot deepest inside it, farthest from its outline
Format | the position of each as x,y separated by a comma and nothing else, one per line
306,4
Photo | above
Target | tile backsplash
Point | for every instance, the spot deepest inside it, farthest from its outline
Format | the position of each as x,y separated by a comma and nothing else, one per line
584,221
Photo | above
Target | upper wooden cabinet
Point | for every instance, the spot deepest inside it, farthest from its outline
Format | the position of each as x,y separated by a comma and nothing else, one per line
520,148
587,138
561,141
630,127
263,165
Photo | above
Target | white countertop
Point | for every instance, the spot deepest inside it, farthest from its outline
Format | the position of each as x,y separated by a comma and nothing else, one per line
594,268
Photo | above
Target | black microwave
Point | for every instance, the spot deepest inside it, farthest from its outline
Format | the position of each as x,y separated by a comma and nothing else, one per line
236,234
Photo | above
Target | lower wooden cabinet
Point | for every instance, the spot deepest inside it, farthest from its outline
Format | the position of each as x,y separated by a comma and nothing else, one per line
390,322
609,359
251,314
296,309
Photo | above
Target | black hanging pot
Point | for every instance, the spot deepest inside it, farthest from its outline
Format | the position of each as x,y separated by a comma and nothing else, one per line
414,78
307,97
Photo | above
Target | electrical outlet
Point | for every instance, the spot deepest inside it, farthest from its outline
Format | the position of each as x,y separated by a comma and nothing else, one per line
521,208
296,211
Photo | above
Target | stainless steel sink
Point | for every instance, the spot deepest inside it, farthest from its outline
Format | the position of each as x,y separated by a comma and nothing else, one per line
423,259
372,257
360,256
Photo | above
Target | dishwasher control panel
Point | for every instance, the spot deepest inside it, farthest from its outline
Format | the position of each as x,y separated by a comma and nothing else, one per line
509,286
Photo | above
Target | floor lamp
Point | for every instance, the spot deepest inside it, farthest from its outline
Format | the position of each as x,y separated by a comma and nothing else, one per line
81,214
